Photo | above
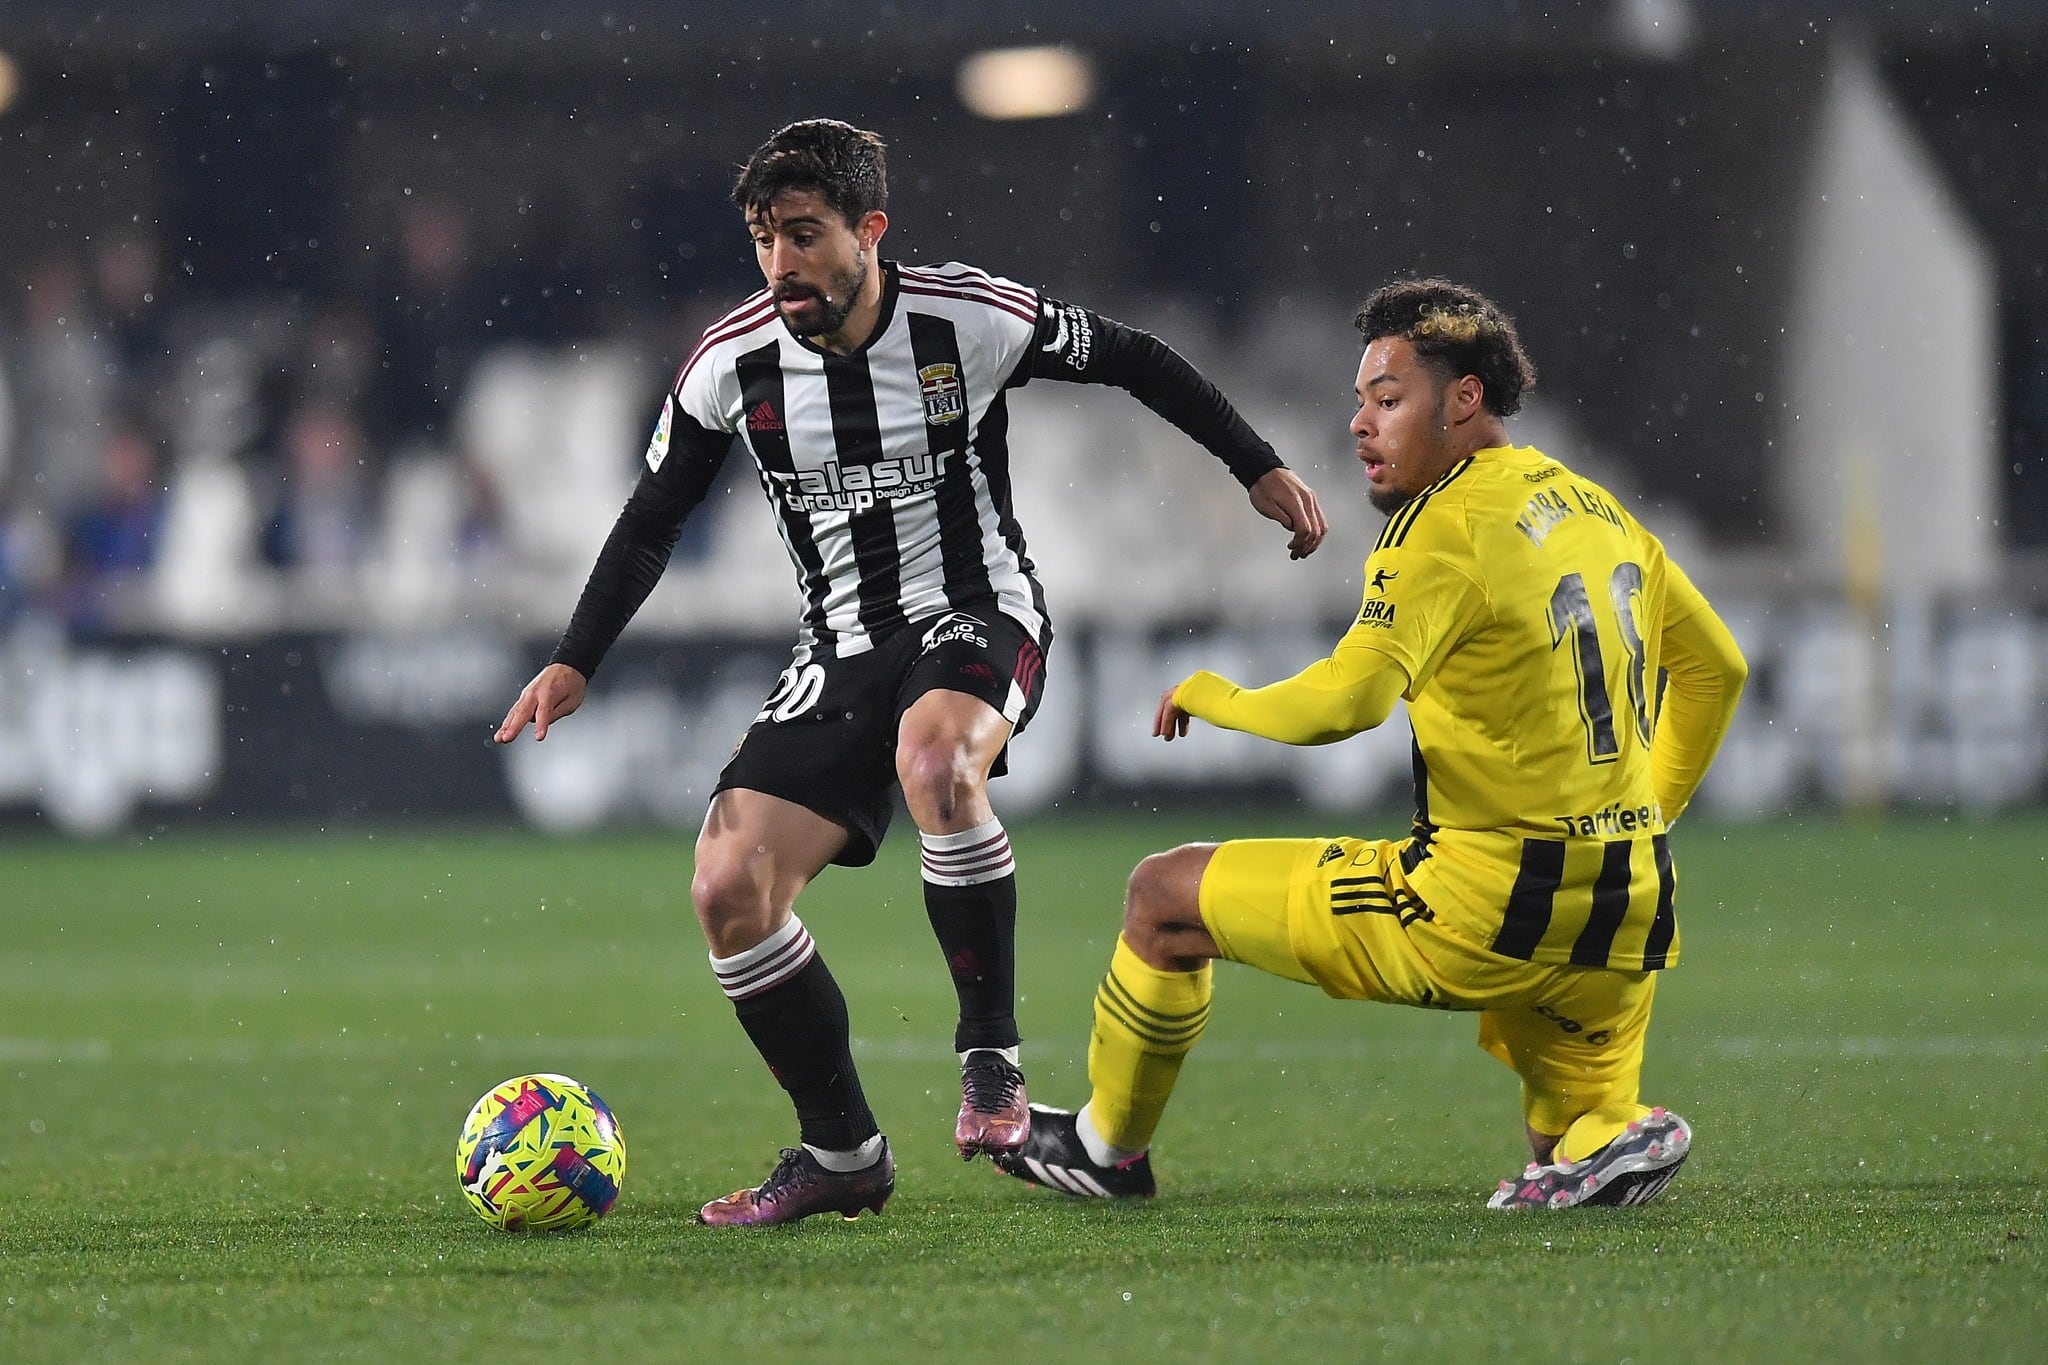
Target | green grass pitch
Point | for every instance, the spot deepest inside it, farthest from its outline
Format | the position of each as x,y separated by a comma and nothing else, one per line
237,1067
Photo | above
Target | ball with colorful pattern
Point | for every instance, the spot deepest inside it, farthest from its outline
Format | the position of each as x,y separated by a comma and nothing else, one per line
541,1153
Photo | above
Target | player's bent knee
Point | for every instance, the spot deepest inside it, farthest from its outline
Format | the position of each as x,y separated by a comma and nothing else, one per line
1143,894
1164,892
731,901
938,778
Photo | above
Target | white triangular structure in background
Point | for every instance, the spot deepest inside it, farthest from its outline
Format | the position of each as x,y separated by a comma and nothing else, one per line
1888,481
1893,379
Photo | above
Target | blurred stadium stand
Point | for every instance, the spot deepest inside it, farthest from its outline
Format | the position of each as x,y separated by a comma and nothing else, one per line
332,325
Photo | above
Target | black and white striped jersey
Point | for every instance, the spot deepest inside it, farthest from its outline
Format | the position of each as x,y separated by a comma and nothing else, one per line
888,468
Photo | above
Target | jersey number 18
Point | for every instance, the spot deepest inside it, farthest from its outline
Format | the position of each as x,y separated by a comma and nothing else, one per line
1571,618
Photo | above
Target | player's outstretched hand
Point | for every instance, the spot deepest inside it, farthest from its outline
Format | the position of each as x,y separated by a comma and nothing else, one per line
1292,503
1170,722
556,691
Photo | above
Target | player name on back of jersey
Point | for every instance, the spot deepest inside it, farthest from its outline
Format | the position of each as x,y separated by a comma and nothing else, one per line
1550,507
1614,819
855,488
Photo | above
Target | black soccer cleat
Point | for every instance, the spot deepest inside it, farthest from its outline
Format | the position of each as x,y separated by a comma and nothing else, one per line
993,1115
1632,1169
799,1187
1054,1157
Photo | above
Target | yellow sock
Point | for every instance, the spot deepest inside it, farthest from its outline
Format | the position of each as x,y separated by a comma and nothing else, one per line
1595,1129
1146,1020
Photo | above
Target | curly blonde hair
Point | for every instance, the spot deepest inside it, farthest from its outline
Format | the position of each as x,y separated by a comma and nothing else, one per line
1457,331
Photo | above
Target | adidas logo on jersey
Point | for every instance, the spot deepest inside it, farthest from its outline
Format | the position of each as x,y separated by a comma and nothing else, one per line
764,418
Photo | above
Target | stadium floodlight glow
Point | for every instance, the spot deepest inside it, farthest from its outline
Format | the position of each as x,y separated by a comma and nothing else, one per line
1026,82
10,82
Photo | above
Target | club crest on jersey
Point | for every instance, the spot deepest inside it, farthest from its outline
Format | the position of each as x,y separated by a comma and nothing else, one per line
944,400
955,625
657,448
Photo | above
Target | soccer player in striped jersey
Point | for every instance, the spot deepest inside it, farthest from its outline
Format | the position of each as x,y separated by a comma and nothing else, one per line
871,397
1567,686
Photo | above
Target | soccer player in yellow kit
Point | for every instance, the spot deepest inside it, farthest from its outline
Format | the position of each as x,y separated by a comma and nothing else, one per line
1528,620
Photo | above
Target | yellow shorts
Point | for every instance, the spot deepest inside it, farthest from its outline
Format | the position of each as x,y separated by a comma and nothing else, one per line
1340,914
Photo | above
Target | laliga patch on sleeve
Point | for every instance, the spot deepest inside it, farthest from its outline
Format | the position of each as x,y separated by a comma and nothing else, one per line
657,448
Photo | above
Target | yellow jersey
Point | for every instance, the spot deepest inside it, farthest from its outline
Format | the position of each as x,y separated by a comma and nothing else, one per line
1527,618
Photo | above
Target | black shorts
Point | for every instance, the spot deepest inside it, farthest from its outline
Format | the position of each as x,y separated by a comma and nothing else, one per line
826,736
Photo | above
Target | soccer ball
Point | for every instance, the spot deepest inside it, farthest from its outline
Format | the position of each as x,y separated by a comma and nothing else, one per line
542,1153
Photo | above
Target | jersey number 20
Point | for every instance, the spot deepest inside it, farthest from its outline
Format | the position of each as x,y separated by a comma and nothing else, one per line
1571,618
795,692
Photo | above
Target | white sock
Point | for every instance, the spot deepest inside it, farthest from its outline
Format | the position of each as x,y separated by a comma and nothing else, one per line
969,858
1099,1150
1008,1054
766,965
859,1159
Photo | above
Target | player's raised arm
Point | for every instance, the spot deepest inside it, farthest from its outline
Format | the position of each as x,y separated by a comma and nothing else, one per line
1083,347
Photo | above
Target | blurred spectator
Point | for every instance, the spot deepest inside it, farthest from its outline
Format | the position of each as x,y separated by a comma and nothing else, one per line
116,529
339,362
318,527
128,285
29,559
431,314
68,383
112,538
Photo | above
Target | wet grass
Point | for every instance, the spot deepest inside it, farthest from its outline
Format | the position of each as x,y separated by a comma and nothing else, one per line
238,1067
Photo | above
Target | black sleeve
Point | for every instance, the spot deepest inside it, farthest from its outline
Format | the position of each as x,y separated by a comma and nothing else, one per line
637,551
1084,347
